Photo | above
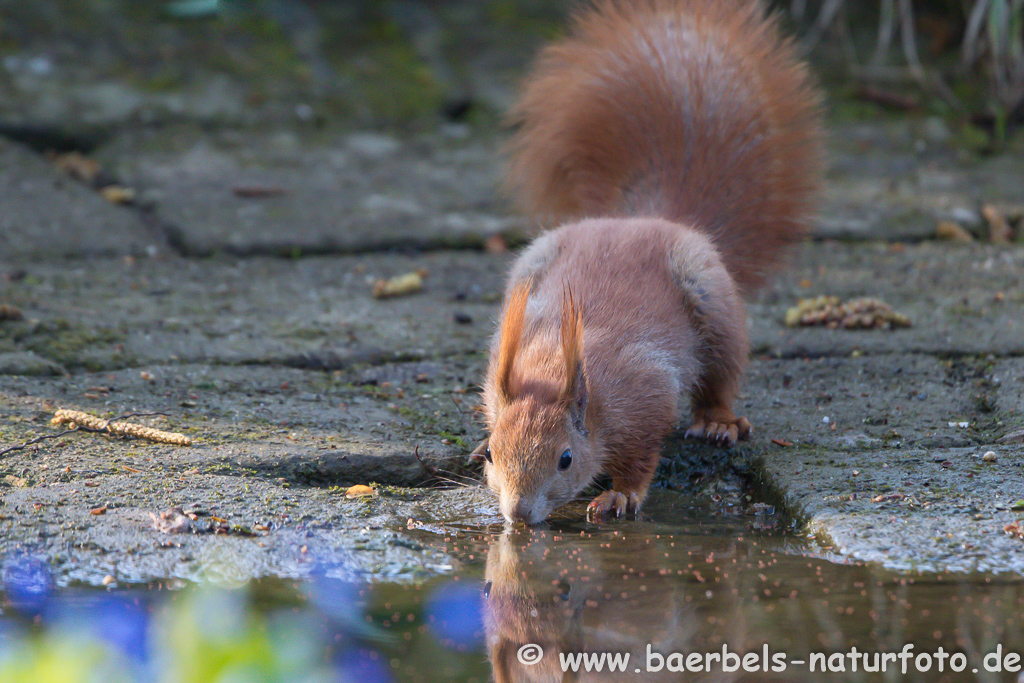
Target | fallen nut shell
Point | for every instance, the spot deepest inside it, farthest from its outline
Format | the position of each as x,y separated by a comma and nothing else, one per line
359,491
495,244
990,456
948,230
998,227
398,286
115,194
78,166
9,312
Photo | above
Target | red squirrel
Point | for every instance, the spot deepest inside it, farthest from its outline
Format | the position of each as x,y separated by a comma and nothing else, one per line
677,144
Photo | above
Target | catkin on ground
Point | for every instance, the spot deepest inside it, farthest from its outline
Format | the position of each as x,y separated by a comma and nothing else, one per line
77,417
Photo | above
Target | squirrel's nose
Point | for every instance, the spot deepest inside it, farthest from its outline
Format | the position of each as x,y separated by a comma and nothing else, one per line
521,510
517,510
513,508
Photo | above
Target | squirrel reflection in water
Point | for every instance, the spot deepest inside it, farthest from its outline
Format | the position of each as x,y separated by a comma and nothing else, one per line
570,598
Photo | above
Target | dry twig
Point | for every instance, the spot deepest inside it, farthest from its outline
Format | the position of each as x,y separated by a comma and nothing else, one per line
38,439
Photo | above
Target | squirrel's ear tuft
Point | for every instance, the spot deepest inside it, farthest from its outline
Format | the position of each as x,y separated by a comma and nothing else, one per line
574,392
511,336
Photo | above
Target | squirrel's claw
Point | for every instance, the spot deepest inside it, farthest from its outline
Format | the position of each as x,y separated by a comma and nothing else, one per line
613,500
725,433
607,502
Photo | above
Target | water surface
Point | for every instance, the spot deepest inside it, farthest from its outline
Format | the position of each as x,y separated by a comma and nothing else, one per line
699,582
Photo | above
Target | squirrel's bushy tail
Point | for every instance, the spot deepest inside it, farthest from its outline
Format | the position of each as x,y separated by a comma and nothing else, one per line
693,110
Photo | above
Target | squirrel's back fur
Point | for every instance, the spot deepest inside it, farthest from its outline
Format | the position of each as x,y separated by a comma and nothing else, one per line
696,111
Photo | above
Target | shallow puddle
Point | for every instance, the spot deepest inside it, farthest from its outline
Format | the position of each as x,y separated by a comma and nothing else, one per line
702,594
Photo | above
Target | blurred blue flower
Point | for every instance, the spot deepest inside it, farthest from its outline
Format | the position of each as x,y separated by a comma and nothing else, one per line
455,614
360,665
337,598
121,620
27,582
12,636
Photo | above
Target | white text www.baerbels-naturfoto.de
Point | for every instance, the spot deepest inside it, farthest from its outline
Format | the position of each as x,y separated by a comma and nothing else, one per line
852,660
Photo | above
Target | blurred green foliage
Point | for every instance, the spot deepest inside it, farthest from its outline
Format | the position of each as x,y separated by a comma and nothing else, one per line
208,636
268,631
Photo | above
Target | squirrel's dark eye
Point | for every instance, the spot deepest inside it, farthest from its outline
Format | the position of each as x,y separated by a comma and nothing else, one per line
487,589
565,460
487,454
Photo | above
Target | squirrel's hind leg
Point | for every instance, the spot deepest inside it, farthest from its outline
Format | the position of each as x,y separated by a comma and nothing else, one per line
716,312
724,357
713,397
718,424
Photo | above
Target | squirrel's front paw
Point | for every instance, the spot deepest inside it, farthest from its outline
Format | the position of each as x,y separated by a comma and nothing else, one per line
613,501
719,426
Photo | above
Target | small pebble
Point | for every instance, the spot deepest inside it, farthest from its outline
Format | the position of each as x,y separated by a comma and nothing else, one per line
825,419
990,456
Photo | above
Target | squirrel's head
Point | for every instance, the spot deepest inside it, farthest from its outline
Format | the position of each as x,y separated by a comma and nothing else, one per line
542,450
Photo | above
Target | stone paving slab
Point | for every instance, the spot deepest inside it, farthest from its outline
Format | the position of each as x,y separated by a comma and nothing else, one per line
940,509
274,450
266,363
885,464
249,192
246,193
362,192
48,215
320,312
245,528
894,179
961,299
341,428
313,313
872,403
